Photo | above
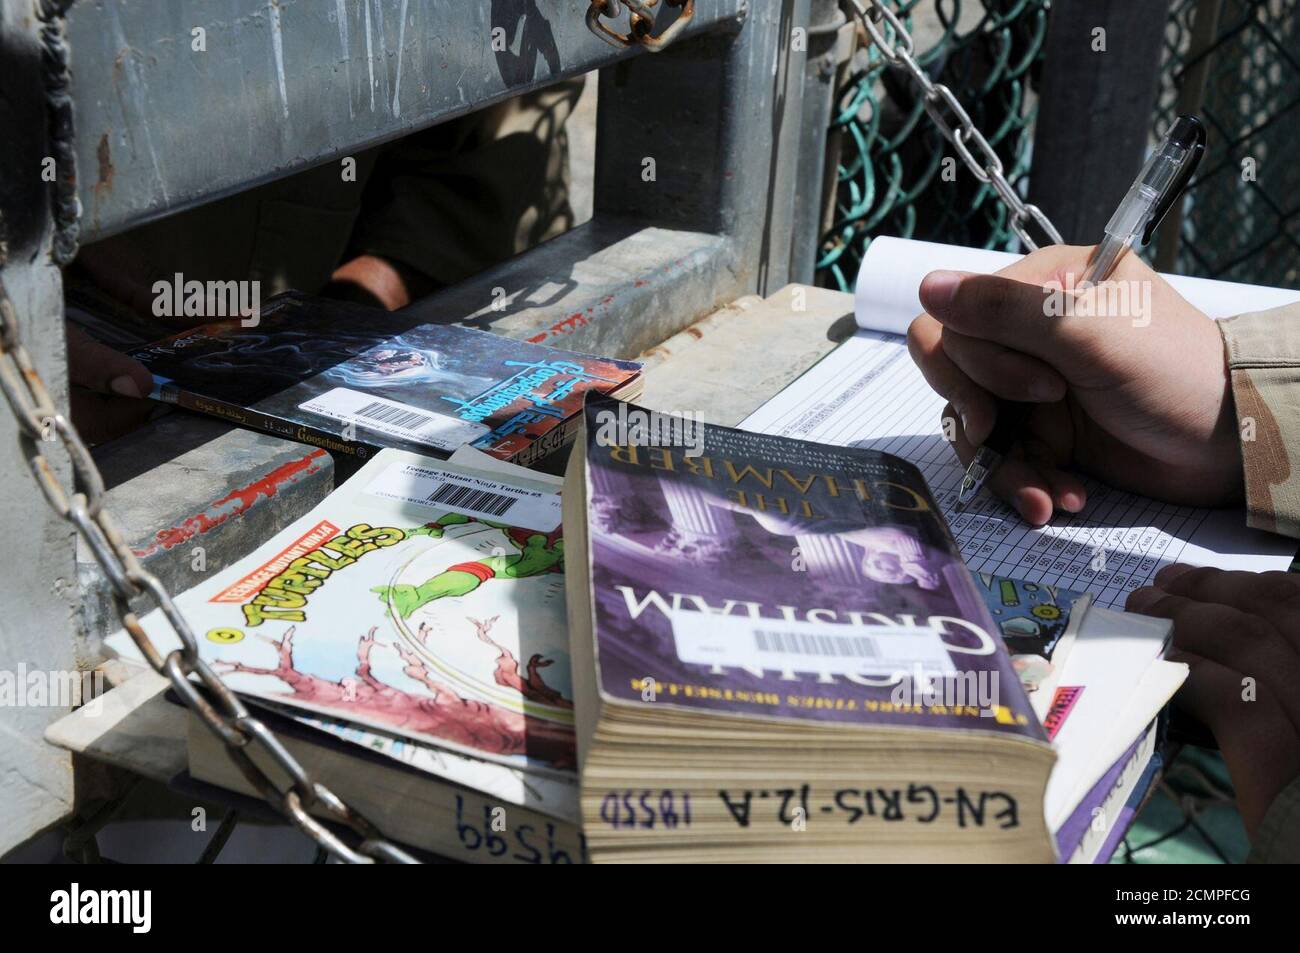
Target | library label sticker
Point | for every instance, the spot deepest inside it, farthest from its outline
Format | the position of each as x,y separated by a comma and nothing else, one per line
740,641
395,419
473,494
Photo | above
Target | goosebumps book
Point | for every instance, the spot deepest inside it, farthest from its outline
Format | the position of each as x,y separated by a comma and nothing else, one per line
779,654
354,379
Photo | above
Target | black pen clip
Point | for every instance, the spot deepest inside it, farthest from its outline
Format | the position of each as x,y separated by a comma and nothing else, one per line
1188,132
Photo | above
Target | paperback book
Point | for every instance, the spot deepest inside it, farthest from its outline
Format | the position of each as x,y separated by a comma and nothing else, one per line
354,380
422,602
779,654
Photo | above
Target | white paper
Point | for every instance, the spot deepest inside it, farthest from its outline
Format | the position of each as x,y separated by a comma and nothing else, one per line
468,493
890,275
1116,660
868,393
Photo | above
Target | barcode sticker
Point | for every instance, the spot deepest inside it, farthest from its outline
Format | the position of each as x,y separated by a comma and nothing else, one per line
473,494
417,425
737,641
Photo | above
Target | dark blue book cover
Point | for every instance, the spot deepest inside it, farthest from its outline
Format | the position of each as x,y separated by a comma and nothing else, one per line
357,379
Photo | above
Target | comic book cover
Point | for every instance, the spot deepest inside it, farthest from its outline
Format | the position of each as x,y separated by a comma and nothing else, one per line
355,379
423,598
1038,623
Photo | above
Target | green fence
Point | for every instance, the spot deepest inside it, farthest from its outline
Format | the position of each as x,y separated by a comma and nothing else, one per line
892,154
1238,69
1236,63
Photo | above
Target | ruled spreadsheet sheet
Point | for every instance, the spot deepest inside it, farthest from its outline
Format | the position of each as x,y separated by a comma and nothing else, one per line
868,393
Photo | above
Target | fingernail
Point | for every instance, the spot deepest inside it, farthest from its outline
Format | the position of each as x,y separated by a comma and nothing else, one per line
938,288
126,386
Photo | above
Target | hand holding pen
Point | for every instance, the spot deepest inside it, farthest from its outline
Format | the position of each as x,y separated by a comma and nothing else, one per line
1158,186
1142,406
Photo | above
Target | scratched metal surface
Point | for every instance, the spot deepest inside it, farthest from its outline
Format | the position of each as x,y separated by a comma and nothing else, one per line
186,481
37,586
285,84
697,178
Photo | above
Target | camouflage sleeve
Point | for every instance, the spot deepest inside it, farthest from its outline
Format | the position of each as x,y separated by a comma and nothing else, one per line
1278,839
1264,360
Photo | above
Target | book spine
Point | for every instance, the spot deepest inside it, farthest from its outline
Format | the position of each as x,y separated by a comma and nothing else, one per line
421,811
275,426
554,440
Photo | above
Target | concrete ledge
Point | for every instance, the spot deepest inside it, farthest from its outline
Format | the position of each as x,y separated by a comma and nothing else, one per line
607,287
735,360
192,495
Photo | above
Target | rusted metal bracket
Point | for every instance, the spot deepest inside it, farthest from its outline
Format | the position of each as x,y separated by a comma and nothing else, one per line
640,21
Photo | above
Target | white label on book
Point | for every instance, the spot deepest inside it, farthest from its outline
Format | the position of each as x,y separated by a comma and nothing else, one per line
738,641
425,427
471,494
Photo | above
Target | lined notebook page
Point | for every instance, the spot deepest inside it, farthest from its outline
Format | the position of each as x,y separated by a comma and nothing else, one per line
868,393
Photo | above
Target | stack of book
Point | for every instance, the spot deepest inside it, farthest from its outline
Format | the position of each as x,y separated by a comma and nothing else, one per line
779,655
771,651
407,640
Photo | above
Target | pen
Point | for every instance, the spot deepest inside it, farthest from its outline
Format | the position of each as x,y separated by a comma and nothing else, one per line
1155,190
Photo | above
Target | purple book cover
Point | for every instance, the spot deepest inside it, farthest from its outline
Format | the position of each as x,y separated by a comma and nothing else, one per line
1128,814
756,575
1070,834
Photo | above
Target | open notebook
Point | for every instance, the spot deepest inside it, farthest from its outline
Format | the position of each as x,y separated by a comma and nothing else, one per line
868,393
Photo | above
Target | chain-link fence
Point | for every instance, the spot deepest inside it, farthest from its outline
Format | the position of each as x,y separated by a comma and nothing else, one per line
1236,64
892,154
1233,62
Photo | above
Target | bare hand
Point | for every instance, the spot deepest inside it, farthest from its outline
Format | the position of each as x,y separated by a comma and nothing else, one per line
107,387
1136,394
1240,633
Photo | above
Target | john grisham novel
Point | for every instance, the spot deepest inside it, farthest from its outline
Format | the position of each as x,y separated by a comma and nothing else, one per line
764,630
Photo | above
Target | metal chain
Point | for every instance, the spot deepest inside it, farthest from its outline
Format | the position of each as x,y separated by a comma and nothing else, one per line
40,424
880,21
640,22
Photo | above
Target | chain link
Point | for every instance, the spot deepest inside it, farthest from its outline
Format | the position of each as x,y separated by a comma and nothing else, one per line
41,424
199,686
640,22
888,34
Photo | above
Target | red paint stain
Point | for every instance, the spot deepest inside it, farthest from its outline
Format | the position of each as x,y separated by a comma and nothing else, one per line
580,319
235,503
567,326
